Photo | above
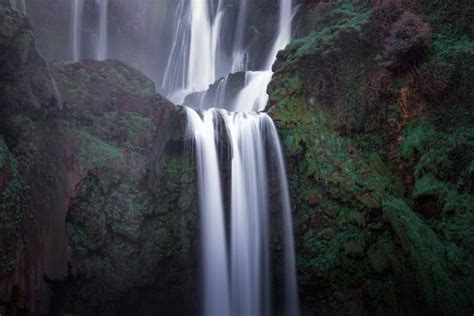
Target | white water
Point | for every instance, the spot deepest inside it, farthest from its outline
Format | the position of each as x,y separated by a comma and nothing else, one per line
216,294
101,35
246,289
254,96
76,29
102,45
250,260
174,78
201,56
192,64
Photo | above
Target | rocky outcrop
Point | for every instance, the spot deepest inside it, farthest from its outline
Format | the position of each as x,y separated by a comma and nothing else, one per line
97,197
380,184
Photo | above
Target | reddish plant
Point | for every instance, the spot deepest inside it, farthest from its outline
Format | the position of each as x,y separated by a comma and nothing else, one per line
408,42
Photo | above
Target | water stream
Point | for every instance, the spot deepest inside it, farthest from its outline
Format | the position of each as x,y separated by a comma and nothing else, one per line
76,27
102,44
247,287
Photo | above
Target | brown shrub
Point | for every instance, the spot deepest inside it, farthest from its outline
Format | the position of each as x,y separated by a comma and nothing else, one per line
408,42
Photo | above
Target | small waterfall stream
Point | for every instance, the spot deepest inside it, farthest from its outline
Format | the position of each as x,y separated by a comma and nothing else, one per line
76,26
101,36
103,29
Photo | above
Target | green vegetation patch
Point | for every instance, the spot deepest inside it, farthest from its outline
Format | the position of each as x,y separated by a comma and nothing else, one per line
97,153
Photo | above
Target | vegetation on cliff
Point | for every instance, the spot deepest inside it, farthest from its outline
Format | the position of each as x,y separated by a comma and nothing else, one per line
375,112
91,178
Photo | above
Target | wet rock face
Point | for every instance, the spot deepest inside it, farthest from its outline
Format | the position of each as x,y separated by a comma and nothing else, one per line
128,221
374,171
97,197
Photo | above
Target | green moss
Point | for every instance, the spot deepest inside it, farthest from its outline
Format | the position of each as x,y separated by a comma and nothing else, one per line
361,166
449,18
447,47
426,254
121,79
418,136
428,185
14,200
95,152
346,20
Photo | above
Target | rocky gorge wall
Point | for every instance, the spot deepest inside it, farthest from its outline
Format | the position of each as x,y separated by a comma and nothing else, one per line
374,107
97,197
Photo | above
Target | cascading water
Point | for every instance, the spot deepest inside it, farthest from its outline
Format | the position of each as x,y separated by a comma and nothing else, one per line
239,53
216,294
103,29
246,288
192,63
250,264
101,37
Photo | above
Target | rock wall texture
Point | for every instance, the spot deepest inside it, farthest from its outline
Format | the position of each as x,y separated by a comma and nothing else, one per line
97,197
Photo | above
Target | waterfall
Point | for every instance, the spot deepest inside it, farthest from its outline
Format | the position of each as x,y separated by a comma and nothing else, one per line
253,97
237,281
76,29
250,246
201,55
103,30
176,68
239,53
291,287
216,291
101,47
192,63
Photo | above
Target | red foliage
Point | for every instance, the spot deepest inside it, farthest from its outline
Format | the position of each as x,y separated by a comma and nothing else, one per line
408,42
315,5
